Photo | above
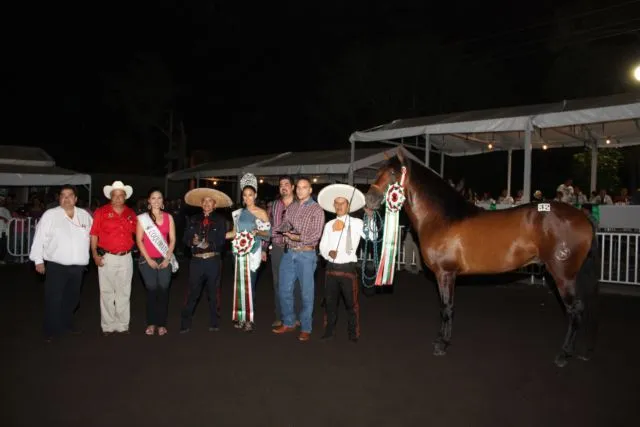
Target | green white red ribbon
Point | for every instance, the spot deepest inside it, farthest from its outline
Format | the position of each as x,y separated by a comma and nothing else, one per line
394,199
242,297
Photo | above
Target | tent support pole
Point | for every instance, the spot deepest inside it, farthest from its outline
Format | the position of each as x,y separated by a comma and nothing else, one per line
527,164
509,158
441,164
238,190
427,149
353,161
594,166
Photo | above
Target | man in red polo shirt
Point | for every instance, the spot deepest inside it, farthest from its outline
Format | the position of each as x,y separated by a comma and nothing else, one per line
111,242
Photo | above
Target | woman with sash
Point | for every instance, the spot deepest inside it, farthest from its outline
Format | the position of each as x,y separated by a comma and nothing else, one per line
255,220
156,240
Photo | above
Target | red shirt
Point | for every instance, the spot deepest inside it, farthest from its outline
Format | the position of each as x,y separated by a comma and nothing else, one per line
115,231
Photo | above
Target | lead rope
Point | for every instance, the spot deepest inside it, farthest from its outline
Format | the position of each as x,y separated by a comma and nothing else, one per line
368,219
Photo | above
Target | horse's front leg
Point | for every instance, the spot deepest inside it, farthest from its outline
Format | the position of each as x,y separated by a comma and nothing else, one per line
446,286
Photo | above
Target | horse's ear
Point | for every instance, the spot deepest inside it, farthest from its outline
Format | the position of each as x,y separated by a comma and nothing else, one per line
400,155
386,156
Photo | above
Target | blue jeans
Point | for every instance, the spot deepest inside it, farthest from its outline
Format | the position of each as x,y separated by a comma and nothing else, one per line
299,266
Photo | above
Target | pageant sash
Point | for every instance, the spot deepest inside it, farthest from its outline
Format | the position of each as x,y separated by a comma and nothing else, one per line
394,199
157,239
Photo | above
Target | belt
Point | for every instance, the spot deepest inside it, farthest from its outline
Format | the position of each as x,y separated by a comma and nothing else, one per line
118,253
303,248
346,267
206,255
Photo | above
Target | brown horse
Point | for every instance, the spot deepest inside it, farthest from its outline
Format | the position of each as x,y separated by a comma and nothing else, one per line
458,238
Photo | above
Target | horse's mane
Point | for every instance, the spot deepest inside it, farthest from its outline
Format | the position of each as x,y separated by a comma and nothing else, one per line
451,204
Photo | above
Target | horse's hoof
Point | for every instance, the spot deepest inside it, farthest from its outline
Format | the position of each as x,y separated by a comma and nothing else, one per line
439,352
439,349
561,361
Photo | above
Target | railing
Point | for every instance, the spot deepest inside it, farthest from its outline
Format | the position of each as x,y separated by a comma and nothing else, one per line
20,236
619,257
619,253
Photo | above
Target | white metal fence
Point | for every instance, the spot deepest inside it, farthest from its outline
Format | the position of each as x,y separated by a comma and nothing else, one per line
619,253
19,237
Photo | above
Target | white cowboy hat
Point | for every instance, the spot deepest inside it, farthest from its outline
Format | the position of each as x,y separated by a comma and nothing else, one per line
117,185
330,193
194,197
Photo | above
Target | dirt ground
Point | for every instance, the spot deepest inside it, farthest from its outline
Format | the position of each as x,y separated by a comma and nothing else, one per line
499,370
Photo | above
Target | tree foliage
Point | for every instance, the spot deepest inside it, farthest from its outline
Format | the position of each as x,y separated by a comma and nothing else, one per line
610,161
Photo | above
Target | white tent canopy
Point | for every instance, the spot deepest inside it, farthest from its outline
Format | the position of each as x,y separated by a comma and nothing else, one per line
564,124
611,121
32,166
328,165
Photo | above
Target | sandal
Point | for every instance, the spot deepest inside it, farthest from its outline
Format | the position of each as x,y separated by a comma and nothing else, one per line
151,329
162,331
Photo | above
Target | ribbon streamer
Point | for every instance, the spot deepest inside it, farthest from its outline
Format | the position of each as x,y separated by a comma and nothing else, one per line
394,199
242,296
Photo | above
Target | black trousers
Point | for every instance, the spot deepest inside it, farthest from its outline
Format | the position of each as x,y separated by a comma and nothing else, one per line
341,281
157,283
202,273
62,286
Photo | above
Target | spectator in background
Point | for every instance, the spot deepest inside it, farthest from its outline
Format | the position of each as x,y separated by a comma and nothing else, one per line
603,198
623,198
5,217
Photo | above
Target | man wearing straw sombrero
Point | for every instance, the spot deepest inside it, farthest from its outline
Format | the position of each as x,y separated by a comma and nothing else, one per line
338,246
205,234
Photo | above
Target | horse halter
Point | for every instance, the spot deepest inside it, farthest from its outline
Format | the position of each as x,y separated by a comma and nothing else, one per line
403,171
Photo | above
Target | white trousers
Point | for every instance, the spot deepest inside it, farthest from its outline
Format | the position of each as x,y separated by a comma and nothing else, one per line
115,291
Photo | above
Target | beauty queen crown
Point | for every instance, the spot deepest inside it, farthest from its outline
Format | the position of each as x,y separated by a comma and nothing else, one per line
249,179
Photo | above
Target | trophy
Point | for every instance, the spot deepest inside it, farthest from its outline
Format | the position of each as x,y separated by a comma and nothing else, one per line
287,227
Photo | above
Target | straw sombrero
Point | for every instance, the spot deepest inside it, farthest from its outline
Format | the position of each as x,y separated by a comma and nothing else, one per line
194,197
328,195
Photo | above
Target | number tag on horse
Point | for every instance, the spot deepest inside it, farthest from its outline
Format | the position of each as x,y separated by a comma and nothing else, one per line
544,207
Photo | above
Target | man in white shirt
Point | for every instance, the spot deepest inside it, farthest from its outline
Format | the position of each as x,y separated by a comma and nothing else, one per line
338,245
61,251
566,190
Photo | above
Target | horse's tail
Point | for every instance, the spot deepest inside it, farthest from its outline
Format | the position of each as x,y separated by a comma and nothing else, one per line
588,284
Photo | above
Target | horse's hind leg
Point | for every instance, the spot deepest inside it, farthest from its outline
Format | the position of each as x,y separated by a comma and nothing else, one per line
574,308
446,285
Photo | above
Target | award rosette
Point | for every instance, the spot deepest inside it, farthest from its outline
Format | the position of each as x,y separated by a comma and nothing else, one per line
394,199
242,297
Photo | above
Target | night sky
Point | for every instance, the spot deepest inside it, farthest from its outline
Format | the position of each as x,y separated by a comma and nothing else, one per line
265,77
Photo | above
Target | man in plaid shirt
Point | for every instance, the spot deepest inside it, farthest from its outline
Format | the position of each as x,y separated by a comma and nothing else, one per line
302,228
277,211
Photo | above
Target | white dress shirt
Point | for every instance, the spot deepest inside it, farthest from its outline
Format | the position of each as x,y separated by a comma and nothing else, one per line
61,239
329,240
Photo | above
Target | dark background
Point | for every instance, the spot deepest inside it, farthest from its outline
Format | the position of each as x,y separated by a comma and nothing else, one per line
93,83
